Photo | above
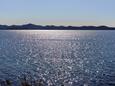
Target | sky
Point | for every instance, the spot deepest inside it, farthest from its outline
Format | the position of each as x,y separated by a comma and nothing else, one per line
58,12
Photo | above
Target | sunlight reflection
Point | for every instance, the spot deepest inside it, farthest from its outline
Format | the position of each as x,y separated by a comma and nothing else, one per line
59,34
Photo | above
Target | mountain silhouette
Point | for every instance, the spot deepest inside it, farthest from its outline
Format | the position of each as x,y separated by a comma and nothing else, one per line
52,27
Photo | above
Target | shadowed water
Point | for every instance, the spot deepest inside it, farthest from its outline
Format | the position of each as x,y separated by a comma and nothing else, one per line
74,58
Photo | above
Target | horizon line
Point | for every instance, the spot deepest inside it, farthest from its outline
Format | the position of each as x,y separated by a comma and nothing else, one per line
58,25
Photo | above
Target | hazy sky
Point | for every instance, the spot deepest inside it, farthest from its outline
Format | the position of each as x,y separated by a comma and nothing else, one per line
58,12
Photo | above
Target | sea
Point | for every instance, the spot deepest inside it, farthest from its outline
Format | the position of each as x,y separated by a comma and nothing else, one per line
68,57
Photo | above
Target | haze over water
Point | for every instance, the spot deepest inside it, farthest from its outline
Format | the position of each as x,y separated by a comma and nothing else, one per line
75,58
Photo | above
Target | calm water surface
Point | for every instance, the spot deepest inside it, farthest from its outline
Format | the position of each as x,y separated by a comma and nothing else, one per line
74,58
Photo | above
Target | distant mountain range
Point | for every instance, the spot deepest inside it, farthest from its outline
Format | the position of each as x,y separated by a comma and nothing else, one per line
52,27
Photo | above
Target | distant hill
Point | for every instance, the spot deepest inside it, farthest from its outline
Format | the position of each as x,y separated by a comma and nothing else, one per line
52,27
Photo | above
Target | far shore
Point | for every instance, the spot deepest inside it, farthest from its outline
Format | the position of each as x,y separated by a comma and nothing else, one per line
52,27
